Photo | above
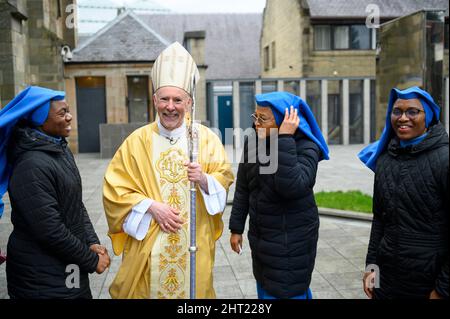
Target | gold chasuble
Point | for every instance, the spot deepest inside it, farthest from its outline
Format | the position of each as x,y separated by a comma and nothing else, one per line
148,166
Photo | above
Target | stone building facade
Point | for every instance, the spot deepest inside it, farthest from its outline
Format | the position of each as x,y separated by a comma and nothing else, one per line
326,52
290,30
32,34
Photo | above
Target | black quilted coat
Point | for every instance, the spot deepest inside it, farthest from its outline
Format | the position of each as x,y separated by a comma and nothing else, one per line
409,237
284,222
51,226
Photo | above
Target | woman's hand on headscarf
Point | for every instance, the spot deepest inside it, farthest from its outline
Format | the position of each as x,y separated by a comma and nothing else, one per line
290,122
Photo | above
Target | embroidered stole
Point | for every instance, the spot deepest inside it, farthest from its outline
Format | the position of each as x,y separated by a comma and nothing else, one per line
170,260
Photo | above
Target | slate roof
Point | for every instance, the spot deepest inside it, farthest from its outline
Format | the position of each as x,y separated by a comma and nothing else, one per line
231,42
357,8
124,39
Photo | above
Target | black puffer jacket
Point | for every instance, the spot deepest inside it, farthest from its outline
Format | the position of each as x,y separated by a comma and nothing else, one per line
409,237
284,221
51,226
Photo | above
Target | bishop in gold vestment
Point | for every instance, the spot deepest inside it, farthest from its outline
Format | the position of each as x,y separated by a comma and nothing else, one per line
146,193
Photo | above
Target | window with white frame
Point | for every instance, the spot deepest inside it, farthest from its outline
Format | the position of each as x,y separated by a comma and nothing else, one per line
322,37
342,37
360,37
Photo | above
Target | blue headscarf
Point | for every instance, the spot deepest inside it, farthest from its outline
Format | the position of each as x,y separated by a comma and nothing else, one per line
280,101
33,105
370,154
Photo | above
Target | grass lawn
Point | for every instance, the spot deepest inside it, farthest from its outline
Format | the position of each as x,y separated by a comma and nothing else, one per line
350,200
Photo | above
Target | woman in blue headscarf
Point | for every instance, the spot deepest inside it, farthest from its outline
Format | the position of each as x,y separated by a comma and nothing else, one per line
284,219
52,231
409,236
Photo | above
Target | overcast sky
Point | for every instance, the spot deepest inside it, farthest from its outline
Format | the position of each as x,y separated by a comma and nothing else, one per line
190,6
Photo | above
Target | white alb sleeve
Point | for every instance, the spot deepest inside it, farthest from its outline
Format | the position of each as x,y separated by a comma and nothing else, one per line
216,200
138,220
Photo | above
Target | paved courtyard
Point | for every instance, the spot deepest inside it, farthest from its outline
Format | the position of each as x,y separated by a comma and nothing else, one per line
341,249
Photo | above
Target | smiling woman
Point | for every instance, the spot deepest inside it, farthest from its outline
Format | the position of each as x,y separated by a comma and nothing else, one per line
408,119
58,120
409,236
52,230
264,121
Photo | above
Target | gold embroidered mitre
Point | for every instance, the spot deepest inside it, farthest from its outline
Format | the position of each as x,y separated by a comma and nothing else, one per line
175,67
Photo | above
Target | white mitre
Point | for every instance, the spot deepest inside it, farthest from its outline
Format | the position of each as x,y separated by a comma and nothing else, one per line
175,67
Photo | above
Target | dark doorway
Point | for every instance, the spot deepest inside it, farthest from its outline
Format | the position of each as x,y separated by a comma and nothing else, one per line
137,100
91,111
225,114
